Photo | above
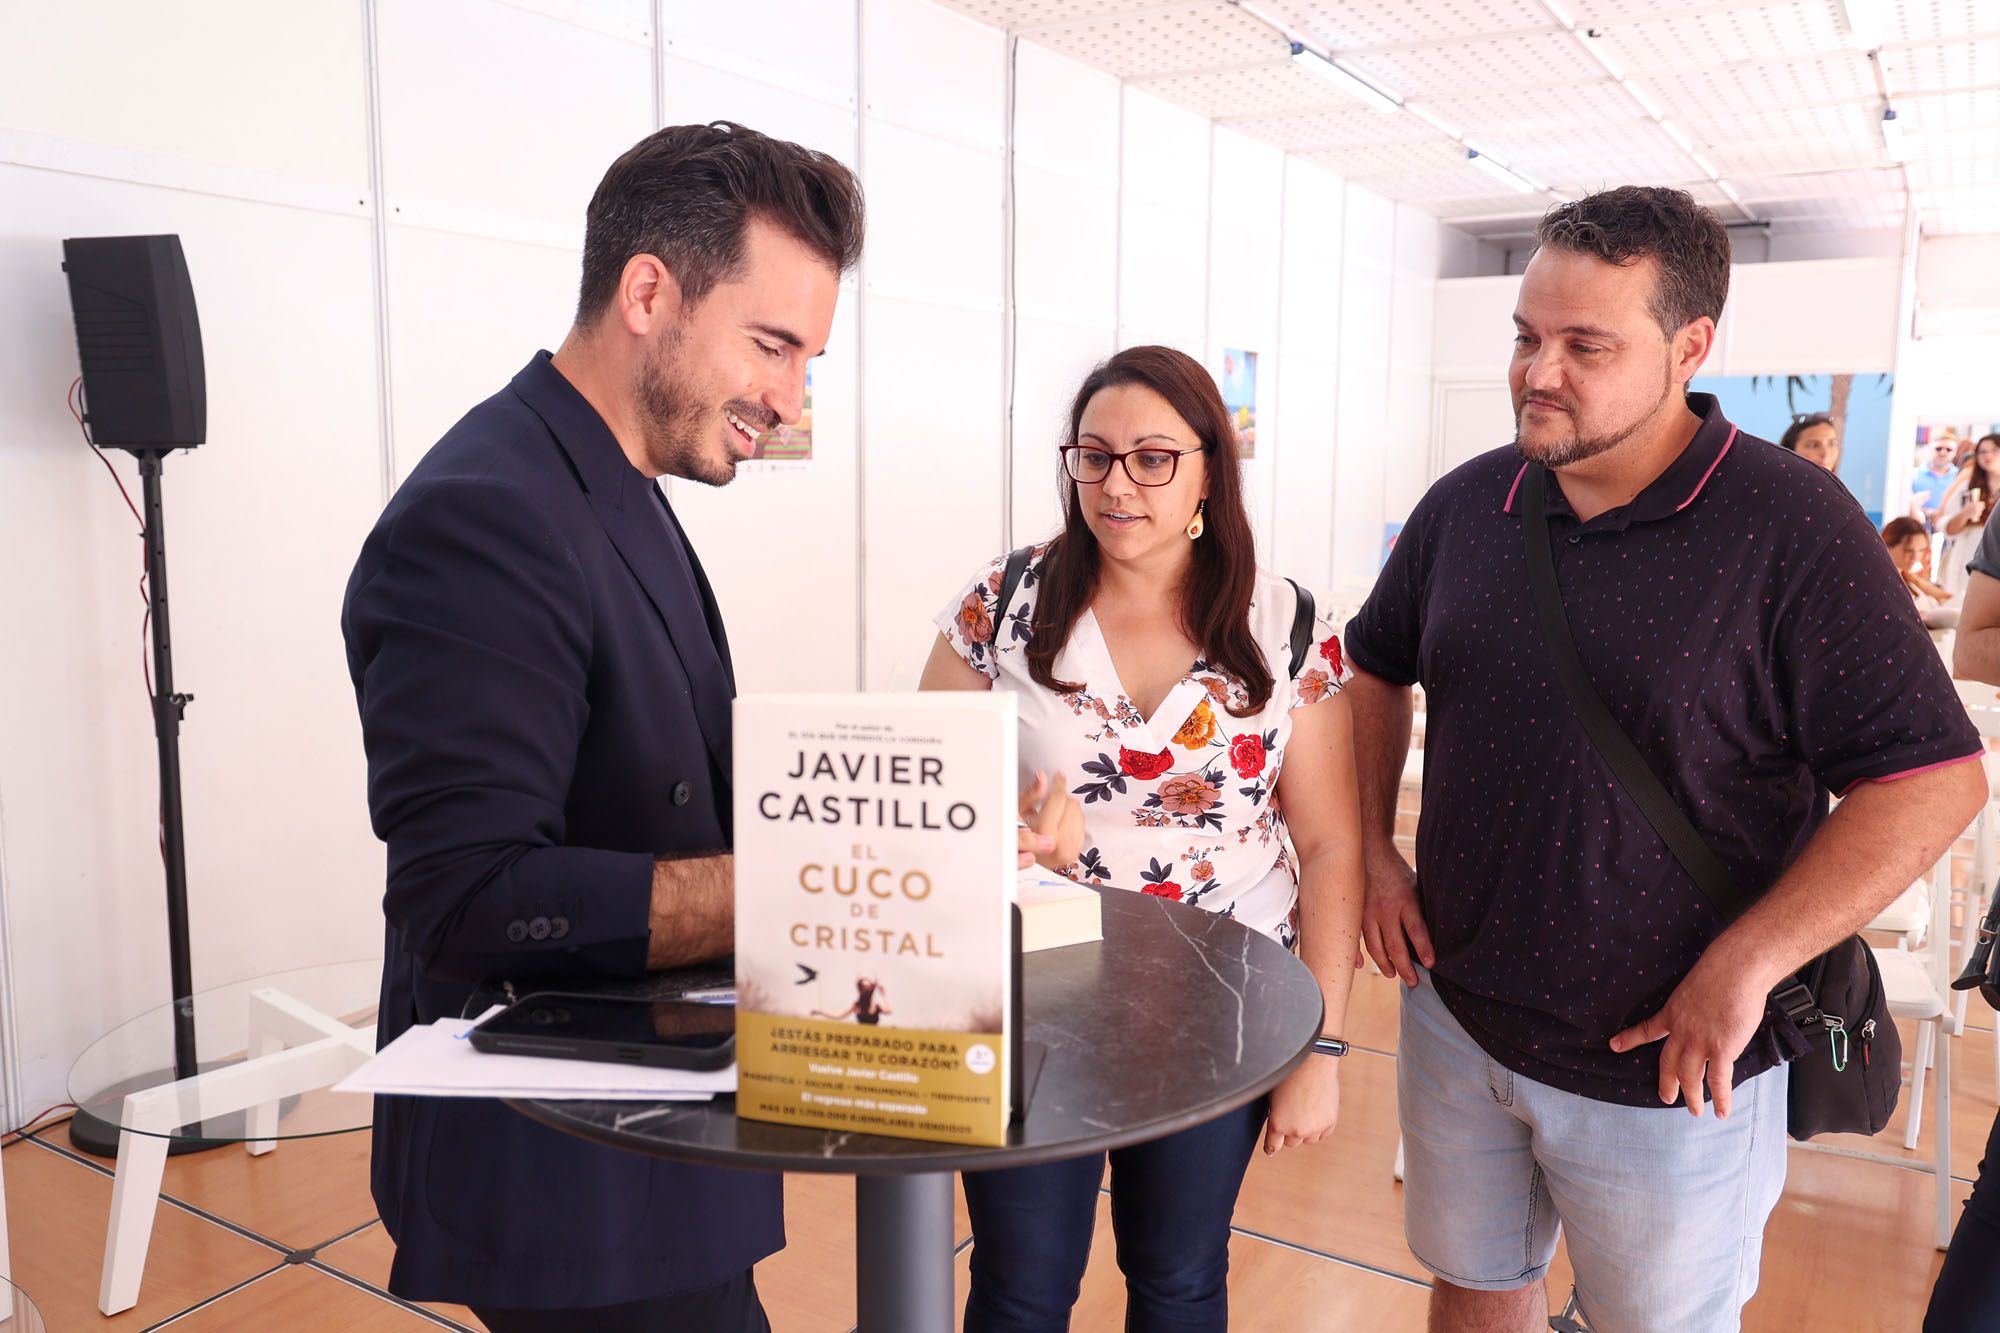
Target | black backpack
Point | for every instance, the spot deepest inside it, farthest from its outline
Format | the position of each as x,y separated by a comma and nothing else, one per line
1017,565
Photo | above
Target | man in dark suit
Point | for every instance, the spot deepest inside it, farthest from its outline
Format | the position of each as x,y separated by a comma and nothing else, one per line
545,691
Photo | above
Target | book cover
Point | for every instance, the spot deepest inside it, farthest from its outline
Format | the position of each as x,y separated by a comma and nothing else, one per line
874,876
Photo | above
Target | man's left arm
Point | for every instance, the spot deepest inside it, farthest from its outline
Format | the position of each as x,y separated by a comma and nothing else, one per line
1869,707
1875,843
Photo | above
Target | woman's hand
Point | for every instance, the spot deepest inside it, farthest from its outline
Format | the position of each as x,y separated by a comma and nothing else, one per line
1053,814
1305,1107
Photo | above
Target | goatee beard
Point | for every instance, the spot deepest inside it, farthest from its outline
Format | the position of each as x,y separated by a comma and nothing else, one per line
672,425
1576,449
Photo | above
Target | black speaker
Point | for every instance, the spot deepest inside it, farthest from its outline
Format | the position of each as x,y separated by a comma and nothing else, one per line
139,341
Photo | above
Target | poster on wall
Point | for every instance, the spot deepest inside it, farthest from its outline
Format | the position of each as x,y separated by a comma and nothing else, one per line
791,444
1239,395
1857,404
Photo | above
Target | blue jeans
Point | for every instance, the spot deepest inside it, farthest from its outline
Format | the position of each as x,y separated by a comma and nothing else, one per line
1171,1200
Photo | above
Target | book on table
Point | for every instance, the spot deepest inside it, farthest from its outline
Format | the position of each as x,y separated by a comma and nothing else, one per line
1056,912
875,853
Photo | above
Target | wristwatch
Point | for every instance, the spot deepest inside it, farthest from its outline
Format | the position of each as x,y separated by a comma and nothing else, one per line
1329,1046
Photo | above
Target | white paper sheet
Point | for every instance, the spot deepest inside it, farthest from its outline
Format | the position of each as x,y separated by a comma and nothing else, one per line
437,1061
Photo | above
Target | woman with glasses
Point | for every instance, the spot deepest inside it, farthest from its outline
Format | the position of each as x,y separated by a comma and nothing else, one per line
1153,664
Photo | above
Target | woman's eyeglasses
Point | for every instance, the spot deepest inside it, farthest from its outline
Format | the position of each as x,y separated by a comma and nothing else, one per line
1146,467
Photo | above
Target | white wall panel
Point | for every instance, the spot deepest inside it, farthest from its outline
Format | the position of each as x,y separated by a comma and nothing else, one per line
932,464
465,314
780,543
694,93
934,229
1303,481
1309,309
1162,271
927,68
806,47
1367,310
1411,337
1165,152
1303,472
1814,317
1052,360
1065,247
471,140
195,81
1246,222
1066,115
262,523
1473,327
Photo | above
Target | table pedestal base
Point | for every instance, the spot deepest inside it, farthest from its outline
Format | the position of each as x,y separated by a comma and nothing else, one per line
903,1252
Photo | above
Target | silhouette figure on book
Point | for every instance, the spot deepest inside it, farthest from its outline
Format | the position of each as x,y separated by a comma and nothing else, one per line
868,1006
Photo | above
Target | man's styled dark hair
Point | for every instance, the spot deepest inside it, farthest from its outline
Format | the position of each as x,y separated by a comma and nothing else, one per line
686,194
1635,222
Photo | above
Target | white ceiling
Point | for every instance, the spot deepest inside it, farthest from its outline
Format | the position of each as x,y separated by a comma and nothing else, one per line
1767,110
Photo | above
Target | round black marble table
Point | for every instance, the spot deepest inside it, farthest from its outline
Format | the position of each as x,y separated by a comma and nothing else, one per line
1176,1017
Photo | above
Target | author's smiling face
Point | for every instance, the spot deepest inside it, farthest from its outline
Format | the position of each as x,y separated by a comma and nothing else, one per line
1131,521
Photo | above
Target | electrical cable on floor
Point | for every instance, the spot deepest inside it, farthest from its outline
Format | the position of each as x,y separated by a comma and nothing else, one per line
29,1127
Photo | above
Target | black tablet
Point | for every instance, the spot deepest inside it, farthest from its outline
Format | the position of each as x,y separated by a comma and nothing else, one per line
666,1034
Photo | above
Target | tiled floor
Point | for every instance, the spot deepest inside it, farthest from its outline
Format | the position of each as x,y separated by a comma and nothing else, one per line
288,1241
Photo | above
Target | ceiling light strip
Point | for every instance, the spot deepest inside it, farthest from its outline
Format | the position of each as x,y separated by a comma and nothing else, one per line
1499,171
1327,70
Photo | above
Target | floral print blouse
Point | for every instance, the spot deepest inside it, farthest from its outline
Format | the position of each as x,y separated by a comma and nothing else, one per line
1183,804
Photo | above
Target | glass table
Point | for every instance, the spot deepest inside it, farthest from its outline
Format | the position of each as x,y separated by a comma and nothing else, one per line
267,1051
17,1313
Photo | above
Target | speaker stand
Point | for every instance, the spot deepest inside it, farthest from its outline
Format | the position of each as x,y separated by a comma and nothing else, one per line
91,1133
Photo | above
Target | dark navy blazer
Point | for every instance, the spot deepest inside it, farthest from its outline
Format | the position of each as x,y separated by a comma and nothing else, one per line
545,695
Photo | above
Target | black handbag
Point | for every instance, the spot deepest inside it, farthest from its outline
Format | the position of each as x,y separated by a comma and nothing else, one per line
1848,1080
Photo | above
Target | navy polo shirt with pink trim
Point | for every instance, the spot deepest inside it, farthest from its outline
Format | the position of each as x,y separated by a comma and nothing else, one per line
1745,625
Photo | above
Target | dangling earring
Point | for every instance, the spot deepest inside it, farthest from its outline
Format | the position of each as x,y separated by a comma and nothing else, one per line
1199,523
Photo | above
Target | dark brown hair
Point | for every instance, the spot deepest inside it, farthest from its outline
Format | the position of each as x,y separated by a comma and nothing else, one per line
1800,425
686,194
1899,530
1982,481
1215,598
1635,222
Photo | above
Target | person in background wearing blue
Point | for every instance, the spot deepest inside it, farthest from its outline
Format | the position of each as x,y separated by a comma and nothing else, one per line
1932,481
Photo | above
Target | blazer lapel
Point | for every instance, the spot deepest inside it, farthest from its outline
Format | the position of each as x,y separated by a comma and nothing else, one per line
635,517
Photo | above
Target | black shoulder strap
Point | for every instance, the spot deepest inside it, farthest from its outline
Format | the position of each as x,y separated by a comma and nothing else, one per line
1630,768
1010,579
1302,629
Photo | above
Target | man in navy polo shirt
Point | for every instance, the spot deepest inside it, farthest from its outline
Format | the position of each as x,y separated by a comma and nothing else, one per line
1567,982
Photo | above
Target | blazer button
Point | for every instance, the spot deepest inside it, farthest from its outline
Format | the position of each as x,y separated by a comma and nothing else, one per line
683,793
517,930
558,927
538,929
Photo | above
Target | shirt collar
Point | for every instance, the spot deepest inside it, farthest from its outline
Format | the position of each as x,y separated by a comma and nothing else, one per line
1670,492
593,450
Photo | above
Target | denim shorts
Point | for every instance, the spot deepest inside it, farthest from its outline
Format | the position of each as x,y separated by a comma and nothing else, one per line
1664,1212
